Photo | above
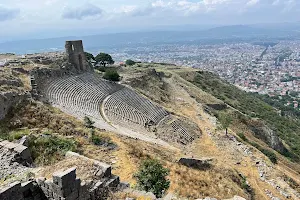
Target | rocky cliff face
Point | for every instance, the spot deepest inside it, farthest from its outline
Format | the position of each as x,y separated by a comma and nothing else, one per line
263,132
11,93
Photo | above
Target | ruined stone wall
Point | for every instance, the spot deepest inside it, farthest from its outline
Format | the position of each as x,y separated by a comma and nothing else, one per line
65,185
76,55
75,63
14,159
39,78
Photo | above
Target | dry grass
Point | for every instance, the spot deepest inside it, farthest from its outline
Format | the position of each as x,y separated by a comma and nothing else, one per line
84,169
131,152
35,115
220,181
193,184
124,195
25,80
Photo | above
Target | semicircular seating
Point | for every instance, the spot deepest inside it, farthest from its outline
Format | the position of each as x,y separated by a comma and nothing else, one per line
83,95
80,95
137,111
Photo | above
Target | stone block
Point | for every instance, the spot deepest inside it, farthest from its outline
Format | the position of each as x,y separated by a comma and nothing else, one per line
64,179
19,148
12,192
73,196
3,143
41,181
113,182
10,145
24,153
27,186
58,190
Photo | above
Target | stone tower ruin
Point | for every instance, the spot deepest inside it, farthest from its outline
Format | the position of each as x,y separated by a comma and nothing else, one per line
76,56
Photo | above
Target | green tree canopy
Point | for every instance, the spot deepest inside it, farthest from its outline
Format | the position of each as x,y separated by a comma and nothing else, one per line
129,62
89,56
151,177
225,121
104,59
112,75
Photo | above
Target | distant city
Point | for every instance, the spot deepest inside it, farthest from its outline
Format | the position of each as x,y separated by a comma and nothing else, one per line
257,60
265,68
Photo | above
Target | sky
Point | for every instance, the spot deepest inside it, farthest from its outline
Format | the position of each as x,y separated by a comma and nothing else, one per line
21,19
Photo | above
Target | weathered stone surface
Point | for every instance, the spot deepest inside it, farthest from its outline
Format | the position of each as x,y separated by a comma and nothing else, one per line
76,56
14,159
263,132
12,192
104,170
7,100
64,185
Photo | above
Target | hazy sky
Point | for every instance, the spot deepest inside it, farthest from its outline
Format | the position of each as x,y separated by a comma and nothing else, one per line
52,18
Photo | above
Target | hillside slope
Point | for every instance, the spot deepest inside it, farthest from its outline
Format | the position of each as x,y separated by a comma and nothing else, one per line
198,103
239,164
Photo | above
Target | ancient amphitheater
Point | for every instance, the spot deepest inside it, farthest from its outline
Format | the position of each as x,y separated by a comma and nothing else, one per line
112,106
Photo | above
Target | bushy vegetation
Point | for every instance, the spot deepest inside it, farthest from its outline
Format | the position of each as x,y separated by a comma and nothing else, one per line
151,177
130,62
279,103
288,129
88,122
47,149
111,75
101,140
242,136
225,121
104,59
89,56
34,115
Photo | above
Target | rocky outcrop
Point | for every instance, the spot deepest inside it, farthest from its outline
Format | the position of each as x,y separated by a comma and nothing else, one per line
15,160
9,99
263,132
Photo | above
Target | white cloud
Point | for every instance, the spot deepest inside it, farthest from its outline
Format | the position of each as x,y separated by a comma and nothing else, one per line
8,13
252,2
19,16
81,12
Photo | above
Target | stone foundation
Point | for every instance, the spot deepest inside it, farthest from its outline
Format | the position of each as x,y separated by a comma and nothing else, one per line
64,185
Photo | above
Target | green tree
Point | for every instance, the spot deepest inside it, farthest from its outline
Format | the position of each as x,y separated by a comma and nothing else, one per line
225,121
88,122
89,56
104,59
151,177
129,62
111,75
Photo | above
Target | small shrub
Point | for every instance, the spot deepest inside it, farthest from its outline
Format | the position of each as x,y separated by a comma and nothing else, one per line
243,137
271,155
88,122
102,141
111,75
151,177
101,69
